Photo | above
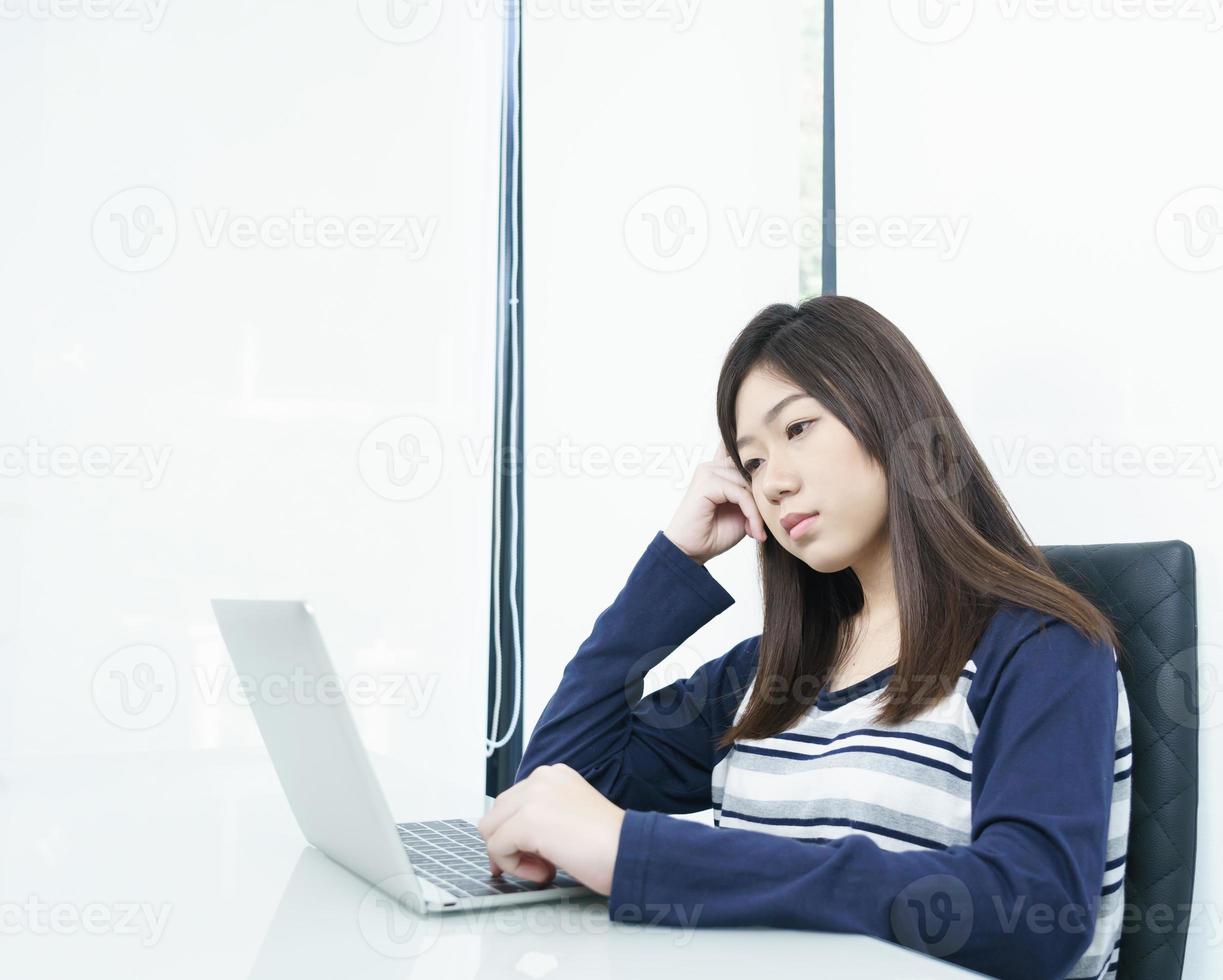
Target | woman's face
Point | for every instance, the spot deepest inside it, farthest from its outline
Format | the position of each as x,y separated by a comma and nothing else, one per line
801,460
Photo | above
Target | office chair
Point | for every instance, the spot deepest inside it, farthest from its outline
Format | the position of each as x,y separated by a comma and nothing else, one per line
1148,590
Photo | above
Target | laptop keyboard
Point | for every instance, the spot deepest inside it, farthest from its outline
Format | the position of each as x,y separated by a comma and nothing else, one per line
453,855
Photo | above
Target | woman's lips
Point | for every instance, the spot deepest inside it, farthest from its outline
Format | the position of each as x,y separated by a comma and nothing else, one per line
803,526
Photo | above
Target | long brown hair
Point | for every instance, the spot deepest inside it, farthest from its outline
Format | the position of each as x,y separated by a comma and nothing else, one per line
958,551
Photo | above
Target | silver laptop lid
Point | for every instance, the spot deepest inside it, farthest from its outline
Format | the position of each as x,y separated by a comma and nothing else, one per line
312,739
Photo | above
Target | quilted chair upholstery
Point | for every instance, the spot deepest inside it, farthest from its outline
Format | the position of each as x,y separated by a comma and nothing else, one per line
1148,589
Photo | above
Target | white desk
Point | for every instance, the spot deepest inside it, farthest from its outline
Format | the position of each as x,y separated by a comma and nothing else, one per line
190,865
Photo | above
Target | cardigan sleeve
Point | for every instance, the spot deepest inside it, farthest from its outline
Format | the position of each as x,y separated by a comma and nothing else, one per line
654,753
1019,900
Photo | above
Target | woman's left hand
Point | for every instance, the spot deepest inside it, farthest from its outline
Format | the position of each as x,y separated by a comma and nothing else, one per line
551,819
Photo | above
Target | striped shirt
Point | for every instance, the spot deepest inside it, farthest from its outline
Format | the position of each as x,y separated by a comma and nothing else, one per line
905,787
990,830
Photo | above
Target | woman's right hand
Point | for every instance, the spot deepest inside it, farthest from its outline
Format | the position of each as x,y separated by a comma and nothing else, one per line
717,511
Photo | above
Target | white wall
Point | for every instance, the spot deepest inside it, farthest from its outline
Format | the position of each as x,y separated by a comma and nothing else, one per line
1066,144
256,371
629,120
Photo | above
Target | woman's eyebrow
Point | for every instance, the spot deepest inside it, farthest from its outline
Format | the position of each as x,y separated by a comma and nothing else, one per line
771,414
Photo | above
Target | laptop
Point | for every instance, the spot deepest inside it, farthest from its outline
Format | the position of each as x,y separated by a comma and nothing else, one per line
325,771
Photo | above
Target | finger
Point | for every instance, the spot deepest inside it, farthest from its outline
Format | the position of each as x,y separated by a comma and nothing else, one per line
724,465
742,496
537,869
549,871
506,803
732,473
723,458
509,849
723,462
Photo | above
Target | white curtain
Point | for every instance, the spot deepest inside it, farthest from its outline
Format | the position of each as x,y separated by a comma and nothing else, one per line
663,212
248,288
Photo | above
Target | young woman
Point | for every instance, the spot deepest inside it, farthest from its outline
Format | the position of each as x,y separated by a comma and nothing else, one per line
929,740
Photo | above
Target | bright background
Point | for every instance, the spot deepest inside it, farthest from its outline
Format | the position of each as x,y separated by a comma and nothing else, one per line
1030,191
1069,147
285,378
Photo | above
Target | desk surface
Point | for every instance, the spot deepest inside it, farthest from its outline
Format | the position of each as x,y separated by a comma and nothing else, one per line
190,865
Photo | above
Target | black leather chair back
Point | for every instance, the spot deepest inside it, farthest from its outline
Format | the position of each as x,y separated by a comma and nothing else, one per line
1148,590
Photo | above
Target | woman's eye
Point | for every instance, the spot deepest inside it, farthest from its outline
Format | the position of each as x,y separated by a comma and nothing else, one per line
748,465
